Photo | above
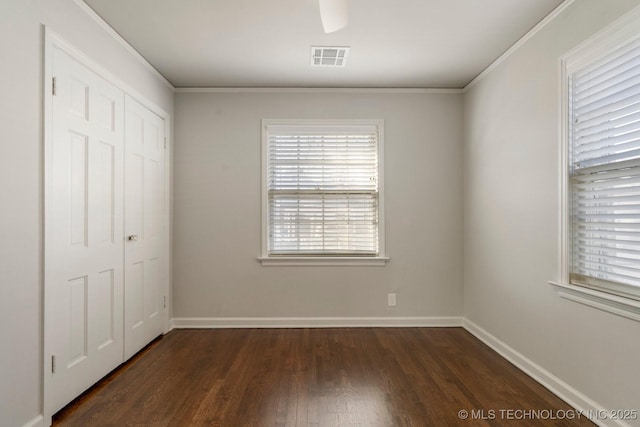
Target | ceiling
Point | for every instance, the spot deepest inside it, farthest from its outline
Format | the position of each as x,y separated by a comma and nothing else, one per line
267,43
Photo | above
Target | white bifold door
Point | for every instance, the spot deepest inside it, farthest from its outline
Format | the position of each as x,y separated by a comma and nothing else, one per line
144,225
105,263
84,228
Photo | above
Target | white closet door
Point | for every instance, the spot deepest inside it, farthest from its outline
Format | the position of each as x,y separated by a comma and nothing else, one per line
84,232
144,225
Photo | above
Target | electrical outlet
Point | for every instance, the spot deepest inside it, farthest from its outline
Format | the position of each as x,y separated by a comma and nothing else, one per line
391,300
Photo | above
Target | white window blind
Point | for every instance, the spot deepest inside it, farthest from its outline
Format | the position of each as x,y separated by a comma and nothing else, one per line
604,134
323,190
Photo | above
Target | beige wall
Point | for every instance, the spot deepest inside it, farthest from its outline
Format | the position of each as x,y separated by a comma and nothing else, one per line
21,177
217,209
511,216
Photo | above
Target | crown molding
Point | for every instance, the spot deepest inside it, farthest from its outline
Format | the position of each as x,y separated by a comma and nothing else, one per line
389,90
539,26
120,40
382,90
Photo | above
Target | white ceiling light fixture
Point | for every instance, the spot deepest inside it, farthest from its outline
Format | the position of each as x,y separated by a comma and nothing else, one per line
334,15
329,56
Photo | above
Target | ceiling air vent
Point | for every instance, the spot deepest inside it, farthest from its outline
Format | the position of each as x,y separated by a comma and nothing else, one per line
329,56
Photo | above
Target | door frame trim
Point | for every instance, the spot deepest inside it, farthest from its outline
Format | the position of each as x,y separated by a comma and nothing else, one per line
51,41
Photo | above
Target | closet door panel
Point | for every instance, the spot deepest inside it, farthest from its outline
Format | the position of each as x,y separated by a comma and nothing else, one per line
144,219
84,229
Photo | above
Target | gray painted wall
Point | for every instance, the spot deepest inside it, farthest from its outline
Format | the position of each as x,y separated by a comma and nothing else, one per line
21,178
511,216
217,209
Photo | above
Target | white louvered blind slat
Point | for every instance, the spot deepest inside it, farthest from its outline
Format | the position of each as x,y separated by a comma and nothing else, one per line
322,189
604,134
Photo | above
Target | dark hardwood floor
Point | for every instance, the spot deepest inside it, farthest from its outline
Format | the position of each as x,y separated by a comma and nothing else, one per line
317,377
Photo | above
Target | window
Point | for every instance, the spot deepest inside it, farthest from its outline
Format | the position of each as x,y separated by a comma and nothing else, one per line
322,191
603,166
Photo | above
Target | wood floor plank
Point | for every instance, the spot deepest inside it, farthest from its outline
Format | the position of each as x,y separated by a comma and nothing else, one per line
314,377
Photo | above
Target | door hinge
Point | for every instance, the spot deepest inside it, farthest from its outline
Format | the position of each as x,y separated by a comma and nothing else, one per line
53,363
165,142
164,301
53,86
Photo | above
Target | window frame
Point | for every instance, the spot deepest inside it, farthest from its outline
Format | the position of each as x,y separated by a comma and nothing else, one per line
621,32
312,260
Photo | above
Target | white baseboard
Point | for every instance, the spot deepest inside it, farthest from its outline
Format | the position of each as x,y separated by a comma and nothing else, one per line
564,391
313,322
36,422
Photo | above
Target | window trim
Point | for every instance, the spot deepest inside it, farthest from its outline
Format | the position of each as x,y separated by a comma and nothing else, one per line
334,260
621,31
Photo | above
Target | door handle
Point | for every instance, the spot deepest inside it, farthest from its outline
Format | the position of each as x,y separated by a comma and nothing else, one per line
133,238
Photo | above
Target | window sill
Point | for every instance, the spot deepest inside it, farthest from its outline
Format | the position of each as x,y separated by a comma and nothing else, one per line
620,306
293,261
